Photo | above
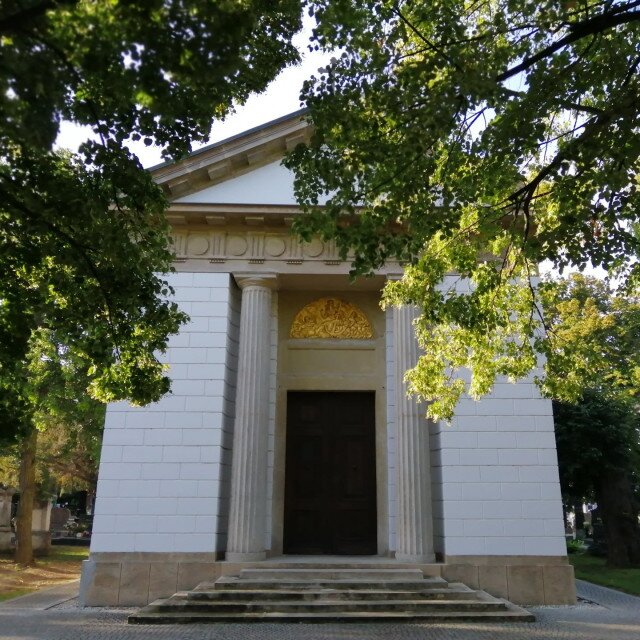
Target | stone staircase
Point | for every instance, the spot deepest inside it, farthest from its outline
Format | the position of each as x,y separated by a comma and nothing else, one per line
329,594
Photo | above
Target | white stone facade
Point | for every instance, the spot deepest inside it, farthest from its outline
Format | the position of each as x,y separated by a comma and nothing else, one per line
201,473
498,491
164,469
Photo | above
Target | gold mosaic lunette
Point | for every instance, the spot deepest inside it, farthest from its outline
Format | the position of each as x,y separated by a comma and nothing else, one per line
331,318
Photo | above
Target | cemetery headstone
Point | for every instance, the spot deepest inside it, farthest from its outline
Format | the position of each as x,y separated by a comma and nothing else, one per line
6,493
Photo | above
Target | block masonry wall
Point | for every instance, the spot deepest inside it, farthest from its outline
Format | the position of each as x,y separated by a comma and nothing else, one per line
498,472
163,480
495,468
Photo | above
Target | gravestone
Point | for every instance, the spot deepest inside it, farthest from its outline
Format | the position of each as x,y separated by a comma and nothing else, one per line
6,493
40,534
59,518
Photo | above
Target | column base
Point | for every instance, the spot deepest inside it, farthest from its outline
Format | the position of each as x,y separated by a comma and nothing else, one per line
428,558
253,556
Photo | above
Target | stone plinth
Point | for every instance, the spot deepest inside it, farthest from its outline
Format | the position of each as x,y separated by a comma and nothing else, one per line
40,534
5,518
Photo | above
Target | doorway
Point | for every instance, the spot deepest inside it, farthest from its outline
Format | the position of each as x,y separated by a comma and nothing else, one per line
330,474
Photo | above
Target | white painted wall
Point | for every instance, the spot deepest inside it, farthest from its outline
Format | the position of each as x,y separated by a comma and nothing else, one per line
162,465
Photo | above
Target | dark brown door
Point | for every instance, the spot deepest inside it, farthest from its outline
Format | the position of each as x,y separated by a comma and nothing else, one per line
330,474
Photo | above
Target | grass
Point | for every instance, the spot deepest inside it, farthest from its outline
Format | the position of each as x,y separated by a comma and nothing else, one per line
60,553
8,595
62,565
595,570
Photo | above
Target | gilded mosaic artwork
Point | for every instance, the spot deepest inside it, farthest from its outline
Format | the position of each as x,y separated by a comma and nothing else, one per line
331,318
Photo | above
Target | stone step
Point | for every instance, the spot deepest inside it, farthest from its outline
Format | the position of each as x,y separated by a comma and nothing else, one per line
511,614
231,582
323,595
330,573
329,594
427,569
327,606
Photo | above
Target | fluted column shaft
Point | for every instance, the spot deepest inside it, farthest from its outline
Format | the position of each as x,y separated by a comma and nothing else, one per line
247,517
414,513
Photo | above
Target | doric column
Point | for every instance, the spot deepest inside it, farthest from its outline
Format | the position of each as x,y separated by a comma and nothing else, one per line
247,517
414,513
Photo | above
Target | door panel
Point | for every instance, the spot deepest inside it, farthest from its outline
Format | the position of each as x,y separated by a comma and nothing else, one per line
330,481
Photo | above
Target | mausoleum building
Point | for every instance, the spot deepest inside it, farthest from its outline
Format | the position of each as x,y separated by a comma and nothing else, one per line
288,432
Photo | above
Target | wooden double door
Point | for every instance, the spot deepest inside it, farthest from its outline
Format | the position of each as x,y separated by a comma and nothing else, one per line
330,474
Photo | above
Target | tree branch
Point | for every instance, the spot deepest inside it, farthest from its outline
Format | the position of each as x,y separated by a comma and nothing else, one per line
580,30
566,104
429,44
21,19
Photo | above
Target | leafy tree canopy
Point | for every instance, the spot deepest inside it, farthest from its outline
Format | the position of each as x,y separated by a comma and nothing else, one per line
598,441
81,236
69,422
596,334
600,433
477,138
595,338
597,436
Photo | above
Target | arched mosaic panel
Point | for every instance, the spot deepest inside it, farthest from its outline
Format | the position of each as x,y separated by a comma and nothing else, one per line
331,318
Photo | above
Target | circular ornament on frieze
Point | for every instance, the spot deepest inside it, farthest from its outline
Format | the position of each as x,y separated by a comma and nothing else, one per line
274,247
314,248
236,245
197,245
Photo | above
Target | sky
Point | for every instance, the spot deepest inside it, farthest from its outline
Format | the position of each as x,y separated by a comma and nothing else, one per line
280,99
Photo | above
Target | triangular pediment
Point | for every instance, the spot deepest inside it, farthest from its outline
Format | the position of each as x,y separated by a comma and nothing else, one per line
243,170
271,184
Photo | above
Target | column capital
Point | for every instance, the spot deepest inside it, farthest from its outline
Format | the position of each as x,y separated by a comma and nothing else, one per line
248,279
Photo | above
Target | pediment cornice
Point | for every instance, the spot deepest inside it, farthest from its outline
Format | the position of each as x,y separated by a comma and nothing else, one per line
233,157
181,216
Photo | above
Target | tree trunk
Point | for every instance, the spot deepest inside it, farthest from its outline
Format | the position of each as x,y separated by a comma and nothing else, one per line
24,547
619,512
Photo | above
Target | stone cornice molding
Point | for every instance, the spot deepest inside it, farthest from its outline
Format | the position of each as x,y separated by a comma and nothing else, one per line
264,280
191,216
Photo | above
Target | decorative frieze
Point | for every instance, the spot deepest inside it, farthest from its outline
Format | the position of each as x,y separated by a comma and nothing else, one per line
254,246
220,246
242,247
